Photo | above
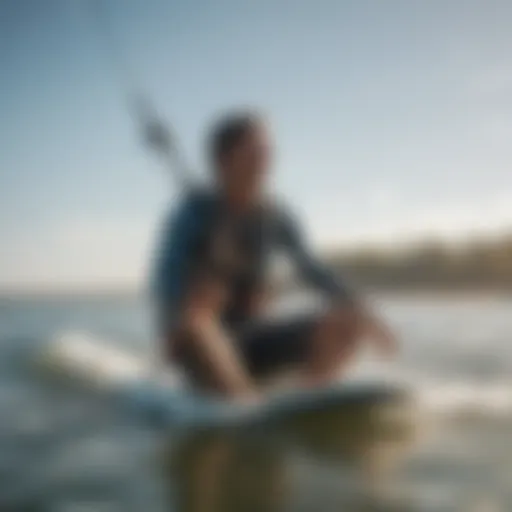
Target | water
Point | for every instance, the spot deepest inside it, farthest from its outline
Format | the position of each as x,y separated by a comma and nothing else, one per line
66,450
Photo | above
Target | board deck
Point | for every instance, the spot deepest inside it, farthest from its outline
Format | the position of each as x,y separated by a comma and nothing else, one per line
184,409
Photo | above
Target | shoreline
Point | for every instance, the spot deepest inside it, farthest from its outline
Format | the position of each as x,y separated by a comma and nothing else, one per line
442,293
134,294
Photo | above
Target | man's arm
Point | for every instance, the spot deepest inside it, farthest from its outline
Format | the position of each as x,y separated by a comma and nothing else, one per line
311,269
317,274
175,242
202,326
167,279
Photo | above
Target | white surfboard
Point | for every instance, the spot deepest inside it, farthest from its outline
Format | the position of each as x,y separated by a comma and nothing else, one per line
157,397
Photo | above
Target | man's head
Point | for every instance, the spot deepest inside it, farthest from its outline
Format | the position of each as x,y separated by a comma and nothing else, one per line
240,153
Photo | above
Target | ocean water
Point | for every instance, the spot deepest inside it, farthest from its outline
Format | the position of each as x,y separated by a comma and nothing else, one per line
67,449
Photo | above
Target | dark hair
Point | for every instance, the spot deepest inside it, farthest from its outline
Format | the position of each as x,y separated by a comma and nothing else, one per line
229,131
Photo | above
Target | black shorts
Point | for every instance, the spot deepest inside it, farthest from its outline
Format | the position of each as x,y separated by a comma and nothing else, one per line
266,348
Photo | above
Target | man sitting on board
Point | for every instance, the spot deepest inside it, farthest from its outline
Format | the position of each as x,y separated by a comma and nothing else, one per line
210,279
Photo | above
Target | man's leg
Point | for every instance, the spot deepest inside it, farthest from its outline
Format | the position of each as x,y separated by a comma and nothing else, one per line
333,346
320,346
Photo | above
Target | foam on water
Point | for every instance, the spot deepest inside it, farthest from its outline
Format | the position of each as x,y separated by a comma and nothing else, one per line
446,397
455,399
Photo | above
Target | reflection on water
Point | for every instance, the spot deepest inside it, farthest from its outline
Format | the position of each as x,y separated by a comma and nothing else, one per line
228,473
253,470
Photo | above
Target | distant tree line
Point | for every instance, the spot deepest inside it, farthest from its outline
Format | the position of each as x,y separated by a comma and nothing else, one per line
477,263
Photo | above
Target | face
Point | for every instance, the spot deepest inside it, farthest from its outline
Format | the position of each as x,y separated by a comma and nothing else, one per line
245,169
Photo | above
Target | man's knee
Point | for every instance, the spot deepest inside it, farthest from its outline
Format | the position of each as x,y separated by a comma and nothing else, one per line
342,324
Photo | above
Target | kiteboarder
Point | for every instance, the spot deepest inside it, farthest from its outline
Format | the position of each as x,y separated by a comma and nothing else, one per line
210,278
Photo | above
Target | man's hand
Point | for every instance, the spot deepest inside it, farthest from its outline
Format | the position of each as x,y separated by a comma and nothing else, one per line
359,322
378,330
250,397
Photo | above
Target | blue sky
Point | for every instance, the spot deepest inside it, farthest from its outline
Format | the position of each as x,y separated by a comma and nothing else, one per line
393,120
